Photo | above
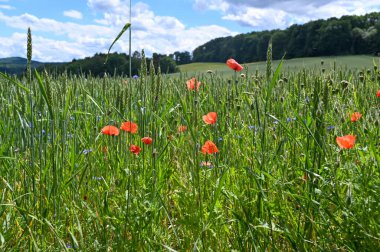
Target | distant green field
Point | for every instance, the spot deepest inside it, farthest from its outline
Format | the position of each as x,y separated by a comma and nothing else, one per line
349,62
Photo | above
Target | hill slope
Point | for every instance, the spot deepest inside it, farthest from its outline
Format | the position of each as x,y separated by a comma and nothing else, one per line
360,62
16,65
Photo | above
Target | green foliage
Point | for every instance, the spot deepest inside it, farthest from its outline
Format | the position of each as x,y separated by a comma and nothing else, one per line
278,183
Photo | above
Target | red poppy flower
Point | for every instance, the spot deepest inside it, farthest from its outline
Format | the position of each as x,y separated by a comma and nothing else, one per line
231,63
129,127
210,118
191,84
147,140
182,128
346,142
355,116
378,93
209,148
134,149
110,130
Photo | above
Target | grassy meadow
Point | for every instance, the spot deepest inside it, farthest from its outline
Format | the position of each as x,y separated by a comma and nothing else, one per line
358,62
278,182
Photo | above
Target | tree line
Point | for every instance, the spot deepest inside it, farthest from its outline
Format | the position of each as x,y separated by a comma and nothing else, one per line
116,64
343,36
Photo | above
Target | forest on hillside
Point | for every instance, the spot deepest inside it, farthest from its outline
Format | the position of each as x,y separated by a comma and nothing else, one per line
343,36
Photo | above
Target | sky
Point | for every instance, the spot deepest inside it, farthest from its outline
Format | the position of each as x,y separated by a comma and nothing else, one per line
63,30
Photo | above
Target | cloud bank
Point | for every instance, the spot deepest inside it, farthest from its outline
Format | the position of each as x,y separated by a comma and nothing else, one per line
274,14
55,40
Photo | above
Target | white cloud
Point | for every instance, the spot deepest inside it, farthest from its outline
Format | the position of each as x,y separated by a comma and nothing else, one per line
73,14
153,33
6,7
273,14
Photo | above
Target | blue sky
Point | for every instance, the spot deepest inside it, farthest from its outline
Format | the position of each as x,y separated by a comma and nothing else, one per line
67,29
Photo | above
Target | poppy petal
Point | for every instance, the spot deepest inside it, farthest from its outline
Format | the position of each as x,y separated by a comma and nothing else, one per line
209,148
147,140
231,63
110,130
346,142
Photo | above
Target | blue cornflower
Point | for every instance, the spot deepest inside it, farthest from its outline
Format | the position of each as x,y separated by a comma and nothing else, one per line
252,127
86,151
135,76
220,139
331,127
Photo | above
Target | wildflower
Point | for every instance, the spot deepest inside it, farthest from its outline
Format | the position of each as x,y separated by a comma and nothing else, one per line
331,127
378,93
251,127
182,128
104,149
355,116
147,140
135,76
191,84
207,164
220,139
210,118
134,149
231,63
305,177
110,130
289,119
346,142
209,148
86,151
129,127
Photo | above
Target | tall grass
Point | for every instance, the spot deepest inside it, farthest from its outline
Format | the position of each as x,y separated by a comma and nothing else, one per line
279,181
